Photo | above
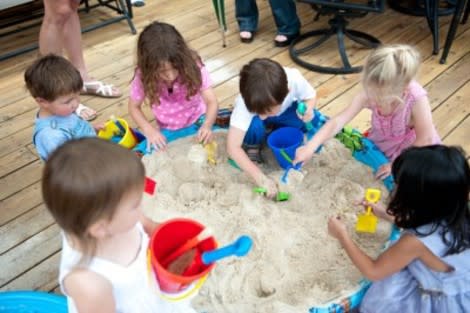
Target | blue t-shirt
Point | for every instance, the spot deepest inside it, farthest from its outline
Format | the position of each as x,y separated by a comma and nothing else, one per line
52,131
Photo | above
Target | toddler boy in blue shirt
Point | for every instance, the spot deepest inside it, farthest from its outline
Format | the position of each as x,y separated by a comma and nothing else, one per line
55,85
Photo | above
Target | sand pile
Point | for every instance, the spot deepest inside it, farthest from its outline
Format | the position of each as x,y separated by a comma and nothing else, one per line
294,263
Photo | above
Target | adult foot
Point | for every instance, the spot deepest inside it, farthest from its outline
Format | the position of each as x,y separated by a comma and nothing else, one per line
246,36
284,40
98,88
138,3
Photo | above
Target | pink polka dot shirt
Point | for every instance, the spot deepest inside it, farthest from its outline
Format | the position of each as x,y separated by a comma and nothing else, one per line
174,111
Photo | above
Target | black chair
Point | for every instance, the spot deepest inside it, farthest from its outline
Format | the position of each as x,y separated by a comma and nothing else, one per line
432,10
418,7
340,11
459,10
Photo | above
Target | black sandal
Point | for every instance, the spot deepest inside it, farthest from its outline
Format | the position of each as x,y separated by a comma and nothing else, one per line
286,42
248,39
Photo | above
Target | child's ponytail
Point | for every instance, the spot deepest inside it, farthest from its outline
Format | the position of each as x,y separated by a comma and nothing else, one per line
390,69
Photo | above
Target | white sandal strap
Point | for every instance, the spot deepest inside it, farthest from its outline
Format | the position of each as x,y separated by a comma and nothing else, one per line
106,90
100,87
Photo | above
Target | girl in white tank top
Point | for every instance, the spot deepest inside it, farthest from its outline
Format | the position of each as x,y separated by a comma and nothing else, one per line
93,189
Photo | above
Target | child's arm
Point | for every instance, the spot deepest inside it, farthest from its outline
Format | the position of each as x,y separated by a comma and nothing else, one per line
153,134
394,259
205,131
422,122
90,291
148,224
330,129
47,141
234,149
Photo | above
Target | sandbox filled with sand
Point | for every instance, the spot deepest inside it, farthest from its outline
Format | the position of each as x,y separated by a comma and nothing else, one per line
294,264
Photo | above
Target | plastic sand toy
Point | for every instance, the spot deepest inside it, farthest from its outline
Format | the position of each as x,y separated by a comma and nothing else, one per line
367,222
281,196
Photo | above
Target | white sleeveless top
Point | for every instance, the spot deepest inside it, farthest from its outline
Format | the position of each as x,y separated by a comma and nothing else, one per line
134,289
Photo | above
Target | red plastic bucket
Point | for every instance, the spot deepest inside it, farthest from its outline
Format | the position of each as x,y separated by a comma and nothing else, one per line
167,238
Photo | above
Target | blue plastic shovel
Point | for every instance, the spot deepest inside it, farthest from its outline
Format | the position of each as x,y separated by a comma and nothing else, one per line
288,159
239,247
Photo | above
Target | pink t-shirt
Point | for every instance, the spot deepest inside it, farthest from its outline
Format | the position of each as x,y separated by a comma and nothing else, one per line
392,133
174,111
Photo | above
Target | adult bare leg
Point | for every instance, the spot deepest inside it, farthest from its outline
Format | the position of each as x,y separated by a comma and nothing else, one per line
61,29
51,35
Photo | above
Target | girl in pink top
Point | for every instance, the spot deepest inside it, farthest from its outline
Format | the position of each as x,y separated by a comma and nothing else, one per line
401,115
174,81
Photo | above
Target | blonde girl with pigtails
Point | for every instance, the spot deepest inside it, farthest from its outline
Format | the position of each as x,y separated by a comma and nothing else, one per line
401,114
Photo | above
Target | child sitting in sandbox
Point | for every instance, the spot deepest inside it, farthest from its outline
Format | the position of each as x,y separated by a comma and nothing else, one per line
175,82
55,84
269,96
401,115
427,270
97,204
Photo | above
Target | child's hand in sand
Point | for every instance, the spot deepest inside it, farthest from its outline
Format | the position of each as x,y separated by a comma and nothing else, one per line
336,227
204,134
155,139
302,154
268,184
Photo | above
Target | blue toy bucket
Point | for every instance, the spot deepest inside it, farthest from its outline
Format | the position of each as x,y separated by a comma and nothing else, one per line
286,139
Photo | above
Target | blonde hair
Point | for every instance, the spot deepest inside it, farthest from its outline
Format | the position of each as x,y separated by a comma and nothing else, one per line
83,181
389,69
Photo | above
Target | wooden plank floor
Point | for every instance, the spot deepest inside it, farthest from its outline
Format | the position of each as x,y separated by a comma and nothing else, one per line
30,245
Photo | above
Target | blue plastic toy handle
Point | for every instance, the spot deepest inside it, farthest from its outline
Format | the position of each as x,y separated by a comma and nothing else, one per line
301,109
240,247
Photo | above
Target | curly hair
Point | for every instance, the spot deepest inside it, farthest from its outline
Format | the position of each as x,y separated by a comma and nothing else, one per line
161,43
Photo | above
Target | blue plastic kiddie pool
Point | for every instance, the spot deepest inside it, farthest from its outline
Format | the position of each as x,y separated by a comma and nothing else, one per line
32,302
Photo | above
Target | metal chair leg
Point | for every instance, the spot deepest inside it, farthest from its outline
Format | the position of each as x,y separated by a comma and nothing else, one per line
453,29
467,11
339,30
433,21
126,8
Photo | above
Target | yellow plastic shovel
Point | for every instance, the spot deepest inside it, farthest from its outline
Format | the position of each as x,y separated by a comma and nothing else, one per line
211,150
367,222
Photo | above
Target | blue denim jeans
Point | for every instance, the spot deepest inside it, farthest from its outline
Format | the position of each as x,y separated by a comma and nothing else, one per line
284,12
256,133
